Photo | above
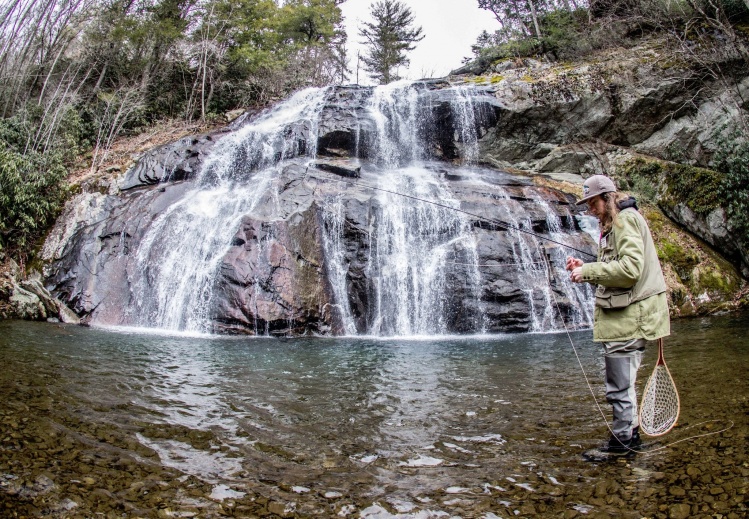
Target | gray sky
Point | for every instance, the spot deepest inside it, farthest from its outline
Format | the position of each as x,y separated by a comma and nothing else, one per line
450,28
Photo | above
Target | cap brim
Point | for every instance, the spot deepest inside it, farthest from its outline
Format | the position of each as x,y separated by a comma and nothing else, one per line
589,197
581,202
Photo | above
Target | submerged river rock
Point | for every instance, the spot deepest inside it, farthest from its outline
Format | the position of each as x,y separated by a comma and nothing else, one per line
96,423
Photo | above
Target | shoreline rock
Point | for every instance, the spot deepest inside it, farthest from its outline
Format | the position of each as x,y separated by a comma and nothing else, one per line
28,299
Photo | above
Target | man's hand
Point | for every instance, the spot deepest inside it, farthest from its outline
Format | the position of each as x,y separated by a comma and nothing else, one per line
573,263
576,266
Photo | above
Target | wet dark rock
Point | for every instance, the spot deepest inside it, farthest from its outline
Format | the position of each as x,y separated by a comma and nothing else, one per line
341,168
273,279
179,160
677,491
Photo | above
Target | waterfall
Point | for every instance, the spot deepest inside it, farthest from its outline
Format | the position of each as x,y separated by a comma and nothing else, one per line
412,241
334,246
410,252
182,250
395,109
266,239
464,110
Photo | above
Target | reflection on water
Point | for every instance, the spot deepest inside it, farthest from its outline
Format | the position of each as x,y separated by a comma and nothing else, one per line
353,416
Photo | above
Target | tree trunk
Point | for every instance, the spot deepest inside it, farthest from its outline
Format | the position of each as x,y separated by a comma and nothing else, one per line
535,18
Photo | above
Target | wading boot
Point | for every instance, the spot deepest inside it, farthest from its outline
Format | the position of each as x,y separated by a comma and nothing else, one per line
616,448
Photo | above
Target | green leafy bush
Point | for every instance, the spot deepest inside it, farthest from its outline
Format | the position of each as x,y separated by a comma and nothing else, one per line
32,191
33,184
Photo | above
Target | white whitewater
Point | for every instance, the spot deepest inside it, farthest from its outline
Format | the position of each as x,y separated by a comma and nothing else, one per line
410,253
335,260
464,110
413,245
183,248
412,241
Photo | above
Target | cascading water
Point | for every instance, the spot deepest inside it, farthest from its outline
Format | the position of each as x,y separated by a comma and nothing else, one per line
266,239
581,296
183,248
527,260
464,108
333,222
410,252
395,110
411,240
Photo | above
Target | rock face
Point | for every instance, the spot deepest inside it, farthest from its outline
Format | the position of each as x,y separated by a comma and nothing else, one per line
385,211
572,122
626,99
169,163
713,228
240,232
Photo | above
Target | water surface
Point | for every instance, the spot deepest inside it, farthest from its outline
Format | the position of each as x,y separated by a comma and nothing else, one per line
354,426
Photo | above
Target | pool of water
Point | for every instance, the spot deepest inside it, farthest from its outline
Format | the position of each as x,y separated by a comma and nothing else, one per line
125,422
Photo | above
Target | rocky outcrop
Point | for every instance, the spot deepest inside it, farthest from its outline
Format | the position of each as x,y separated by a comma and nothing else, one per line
691,197
27,298
299,258
171,162
569,122
624,100
713,228
692,136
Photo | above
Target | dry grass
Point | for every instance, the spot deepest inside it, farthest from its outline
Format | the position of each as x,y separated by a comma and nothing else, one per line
559,185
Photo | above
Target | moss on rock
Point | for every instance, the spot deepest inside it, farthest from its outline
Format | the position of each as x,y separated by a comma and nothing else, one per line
700,280
672,183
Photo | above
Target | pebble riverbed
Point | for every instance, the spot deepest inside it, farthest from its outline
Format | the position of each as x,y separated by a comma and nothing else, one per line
103,424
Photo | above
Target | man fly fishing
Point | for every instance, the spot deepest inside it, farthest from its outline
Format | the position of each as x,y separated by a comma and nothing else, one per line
631,306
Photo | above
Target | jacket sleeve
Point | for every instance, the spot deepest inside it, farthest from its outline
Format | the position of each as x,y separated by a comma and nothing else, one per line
624,271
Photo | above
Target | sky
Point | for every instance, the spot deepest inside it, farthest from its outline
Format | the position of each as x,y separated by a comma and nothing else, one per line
450,28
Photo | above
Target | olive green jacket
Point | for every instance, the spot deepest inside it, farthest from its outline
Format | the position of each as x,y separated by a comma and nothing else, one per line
631,301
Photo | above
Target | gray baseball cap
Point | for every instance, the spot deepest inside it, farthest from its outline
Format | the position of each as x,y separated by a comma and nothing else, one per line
596,185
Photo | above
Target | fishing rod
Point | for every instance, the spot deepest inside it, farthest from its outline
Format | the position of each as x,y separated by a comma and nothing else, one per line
491,221
651,449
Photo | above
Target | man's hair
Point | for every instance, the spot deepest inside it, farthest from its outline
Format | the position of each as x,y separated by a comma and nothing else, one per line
612,201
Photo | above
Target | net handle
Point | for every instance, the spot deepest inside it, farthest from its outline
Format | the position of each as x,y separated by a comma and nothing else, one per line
661,360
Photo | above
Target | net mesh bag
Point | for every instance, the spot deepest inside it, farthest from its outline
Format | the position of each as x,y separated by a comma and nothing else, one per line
659,409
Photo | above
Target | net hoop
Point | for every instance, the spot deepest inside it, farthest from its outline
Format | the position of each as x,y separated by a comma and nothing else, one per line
660,405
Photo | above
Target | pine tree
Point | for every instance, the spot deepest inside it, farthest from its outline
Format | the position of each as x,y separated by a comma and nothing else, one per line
388,39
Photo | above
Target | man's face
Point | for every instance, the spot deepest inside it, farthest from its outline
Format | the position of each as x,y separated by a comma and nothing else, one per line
597,207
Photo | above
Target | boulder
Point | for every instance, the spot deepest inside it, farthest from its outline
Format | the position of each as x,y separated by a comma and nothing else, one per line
28,299
27,305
